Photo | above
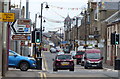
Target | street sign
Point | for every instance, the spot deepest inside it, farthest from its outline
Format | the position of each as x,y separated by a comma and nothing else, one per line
22,26
21,37
7,17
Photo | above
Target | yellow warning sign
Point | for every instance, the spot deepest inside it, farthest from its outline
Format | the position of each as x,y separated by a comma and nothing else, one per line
7,17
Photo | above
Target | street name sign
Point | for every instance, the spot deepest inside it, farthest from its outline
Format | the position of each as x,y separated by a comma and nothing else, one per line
7,17
21,37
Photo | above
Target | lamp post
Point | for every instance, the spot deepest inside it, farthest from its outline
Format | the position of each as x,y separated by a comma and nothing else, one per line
41,21
85,28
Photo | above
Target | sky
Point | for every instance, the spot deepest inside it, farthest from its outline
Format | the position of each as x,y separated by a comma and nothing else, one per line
58,11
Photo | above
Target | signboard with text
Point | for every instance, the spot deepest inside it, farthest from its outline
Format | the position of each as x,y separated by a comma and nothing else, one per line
7,17
22,26
21,37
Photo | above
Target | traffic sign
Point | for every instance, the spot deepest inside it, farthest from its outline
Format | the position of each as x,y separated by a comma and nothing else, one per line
22,26
7,17
21,37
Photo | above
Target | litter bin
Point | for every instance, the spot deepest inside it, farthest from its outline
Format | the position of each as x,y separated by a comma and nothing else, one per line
117,64
39,63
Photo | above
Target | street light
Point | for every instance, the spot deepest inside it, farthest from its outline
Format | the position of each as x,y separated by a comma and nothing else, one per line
41,20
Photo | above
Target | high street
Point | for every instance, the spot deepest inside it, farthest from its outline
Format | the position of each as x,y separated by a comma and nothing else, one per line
47,71
79,70
82,36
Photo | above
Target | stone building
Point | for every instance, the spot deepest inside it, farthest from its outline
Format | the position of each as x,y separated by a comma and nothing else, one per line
113,26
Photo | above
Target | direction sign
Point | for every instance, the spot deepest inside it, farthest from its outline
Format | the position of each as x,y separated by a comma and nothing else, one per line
21,37
7,17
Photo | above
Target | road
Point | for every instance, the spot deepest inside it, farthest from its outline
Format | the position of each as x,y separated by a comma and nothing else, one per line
79,70
47,72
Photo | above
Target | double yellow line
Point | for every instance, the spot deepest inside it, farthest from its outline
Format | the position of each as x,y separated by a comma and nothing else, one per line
43,75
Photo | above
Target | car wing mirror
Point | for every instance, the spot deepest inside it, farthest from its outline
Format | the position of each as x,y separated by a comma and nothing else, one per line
15,55
102,57
85,58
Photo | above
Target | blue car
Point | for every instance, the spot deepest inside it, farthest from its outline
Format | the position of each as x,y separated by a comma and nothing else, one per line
21,62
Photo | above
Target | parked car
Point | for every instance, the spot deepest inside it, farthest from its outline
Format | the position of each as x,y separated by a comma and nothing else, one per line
66,50
93,58
58,49
44,49
63,61
79,55
73,53
53,50
59,53
80,48
21,62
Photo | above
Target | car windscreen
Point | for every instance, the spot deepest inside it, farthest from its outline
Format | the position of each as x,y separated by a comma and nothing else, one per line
14,53
80,52
93,55
64,57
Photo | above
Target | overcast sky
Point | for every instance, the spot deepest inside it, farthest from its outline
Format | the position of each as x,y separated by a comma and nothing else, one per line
58,9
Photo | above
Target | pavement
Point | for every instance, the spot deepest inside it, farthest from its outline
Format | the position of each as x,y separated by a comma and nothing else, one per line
0,75
109,68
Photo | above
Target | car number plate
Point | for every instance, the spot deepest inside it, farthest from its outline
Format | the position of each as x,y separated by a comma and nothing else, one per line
94,65
65,63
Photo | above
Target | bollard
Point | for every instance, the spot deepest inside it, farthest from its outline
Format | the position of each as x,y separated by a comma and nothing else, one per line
39,63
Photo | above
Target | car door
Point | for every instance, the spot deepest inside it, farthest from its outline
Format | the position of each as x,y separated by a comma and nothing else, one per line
12,59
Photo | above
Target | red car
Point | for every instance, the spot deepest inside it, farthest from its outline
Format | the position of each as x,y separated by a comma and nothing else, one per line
44,49
63,62
78,56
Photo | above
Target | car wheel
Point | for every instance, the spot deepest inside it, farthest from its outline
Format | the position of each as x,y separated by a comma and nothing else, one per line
72,69
82,64
54,69
85,67
101,67
24,66
77,62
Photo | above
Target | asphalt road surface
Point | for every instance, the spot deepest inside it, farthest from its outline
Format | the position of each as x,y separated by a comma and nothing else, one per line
79,71
47,72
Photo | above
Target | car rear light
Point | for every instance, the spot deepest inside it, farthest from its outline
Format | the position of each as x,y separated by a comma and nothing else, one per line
71,60
71,63
57,60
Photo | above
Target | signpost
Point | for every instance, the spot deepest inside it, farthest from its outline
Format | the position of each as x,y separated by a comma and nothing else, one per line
21,37
7,17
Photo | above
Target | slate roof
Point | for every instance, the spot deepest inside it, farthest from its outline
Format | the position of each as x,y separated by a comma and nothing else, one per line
111,5
115,17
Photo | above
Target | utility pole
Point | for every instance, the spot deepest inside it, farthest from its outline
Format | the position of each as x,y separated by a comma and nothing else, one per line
27,9
85,28
77,27
4,34
119,17
1,25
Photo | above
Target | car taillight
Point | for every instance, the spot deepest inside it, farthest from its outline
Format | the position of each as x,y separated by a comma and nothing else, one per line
57,60
71,63
71,60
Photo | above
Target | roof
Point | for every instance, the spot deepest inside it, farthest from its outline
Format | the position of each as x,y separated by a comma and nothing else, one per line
115,17
64,54
93,51
110,6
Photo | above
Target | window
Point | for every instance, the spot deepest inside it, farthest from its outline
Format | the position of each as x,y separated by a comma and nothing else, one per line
11,54
64,57
93,55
